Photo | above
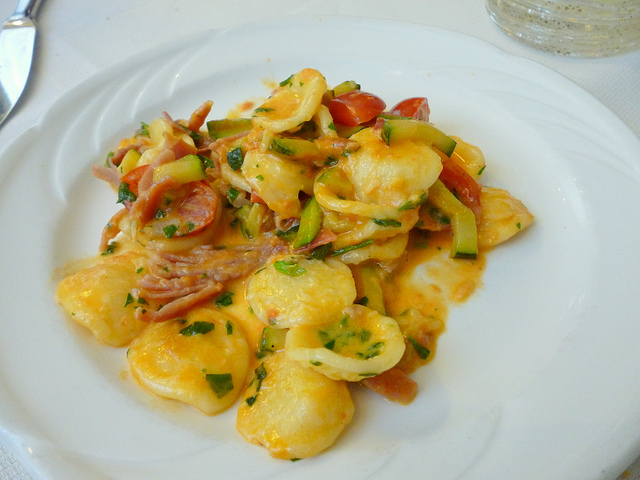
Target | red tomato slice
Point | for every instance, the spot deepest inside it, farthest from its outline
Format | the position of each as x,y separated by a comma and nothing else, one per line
132,178
355,107
416,108
462,185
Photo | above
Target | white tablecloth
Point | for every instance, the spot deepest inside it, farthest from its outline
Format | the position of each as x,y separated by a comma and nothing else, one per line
78,38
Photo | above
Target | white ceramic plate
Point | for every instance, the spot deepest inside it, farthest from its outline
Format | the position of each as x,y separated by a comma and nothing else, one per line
536,376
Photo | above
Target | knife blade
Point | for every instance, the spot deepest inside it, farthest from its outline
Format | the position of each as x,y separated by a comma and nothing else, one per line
17,41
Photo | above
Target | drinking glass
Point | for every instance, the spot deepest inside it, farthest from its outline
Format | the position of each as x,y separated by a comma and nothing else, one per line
581,28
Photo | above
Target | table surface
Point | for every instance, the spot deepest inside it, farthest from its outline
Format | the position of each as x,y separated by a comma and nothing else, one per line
78,38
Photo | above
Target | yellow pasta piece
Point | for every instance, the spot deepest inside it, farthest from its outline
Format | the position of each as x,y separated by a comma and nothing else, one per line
201,360
360,344
296,100
469,157
278,181
384,250
395,174
502,217
100,299
293,411
295,290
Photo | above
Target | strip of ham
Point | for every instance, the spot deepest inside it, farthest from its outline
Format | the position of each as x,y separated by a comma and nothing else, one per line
199,116
189,278
217,264
394,385
107,174
178,306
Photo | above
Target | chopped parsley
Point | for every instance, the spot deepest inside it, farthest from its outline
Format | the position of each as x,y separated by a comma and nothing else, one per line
411,205
170,230
287,81
235,158
206,161
352,247
197,328
220,383
387,222
110,248
129,299
232,194
422,351
125,194
144,129
224,300
261,374
289,267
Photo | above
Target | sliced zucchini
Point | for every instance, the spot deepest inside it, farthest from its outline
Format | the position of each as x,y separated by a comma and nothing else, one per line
272,340
227,127
370,288
129,161
463,221
310,223
184,170
396,129
344,87
295,148
251,218
337,181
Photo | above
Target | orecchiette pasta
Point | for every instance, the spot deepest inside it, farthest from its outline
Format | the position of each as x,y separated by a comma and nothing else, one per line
278,181
296,101
502,217
361,343
201,360
100,299
391,174
293,411
295,290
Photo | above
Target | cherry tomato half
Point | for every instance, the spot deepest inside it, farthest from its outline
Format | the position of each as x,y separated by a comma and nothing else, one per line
132,178
458,181
415,107
355,107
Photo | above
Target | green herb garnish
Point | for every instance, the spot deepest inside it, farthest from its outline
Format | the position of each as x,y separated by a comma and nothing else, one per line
352,247
197,328
170,230
387,222
224,300
125,194
423,352
235,158
220,383
289,267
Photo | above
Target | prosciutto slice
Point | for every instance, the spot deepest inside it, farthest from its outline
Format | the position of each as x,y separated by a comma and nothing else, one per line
185,279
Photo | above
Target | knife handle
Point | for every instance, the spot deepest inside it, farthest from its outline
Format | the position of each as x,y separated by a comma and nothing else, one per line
27,8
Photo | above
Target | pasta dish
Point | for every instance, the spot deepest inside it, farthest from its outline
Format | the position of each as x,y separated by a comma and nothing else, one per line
277,260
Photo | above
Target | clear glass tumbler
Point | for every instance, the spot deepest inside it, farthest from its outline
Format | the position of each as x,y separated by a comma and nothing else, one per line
581,28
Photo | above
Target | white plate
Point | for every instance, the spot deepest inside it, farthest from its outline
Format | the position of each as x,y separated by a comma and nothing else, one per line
536,376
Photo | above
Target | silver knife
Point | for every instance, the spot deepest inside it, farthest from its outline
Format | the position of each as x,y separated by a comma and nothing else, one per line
17,39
